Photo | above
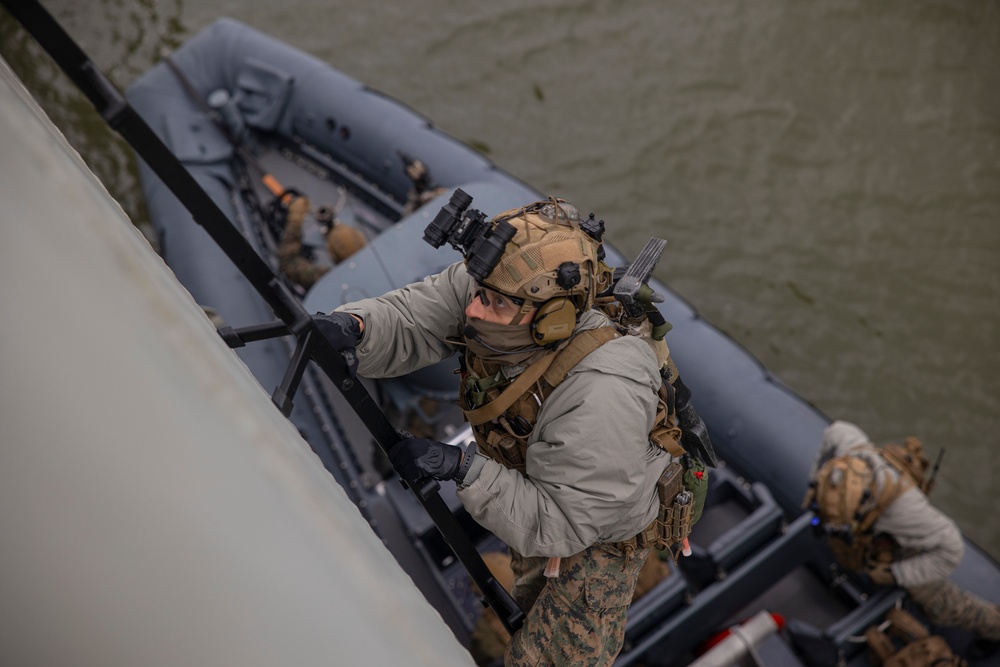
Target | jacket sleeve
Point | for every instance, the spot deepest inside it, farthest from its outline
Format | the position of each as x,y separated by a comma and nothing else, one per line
405,329
931,544
591,472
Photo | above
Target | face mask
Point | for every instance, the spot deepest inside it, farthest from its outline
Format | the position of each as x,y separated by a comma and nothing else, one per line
502,343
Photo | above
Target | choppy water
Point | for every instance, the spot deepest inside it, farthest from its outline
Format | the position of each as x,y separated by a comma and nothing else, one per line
827,173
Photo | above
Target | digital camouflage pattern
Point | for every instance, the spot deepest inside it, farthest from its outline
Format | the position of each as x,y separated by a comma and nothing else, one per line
946,604
489,636
577,618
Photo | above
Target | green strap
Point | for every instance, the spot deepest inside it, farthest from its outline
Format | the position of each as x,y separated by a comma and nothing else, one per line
499,405
478,387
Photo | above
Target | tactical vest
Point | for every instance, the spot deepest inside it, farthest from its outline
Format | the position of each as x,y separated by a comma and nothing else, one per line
503,412
849,528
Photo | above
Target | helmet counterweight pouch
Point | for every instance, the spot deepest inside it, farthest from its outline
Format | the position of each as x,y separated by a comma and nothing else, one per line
554,321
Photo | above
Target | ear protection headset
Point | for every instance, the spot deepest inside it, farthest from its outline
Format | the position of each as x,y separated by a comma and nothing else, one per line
556,318
554,321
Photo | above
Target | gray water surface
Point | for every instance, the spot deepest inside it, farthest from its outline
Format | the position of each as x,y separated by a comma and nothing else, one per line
827,174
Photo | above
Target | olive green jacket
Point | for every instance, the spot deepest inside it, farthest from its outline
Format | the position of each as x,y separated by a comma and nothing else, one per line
591,471
930,543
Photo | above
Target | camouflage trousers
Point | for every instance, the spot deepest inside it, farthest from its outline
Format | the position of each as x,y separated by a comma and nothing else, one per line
577,618
946,604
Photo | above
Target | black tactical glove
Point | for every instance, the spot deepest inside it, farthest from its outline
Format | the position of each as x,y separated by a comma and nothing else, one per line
419,458
343,332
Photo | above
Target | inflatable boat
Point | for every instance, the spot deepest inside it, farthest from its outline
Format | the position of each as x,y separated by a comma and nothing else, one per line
255,121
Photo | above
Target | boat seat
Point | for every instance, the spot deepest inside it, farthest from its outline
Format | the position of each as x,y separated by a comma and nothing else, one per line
738,519
659,602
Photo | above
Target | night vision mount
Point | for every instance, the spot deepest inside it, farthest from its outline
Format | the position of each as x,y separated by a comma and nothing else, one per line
469,232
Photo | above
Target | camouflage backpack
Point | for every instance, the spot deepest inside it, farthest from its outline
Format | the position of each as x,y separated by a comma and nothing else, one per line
909,459
919,648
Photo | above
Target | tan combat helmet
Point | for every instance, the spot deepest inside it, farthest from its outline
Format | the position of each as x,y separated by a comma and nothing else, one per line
844,495
549,263
342,240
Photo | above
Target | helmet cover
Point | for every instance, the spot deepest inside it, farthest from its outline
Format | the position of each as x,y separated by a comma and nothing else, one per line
549,256
844,488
